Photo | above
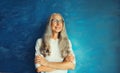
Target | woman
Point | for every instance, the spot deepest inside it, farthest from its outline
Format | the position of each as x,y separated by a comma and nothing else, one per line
54,51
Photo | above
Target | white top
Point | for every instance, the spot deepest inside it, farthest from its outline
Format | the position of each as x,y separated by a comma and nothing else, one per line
55,55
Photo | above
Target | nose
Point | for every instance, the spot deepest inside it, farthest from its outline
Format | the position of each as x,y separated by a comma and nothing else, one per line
58,23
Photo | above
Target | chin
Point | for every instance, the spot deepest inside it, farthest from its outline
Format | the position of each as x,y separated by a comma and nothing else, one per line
58,31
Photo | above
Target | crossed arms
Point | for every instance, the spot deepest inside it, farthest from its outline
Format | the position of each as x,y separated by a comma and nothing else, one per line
47,66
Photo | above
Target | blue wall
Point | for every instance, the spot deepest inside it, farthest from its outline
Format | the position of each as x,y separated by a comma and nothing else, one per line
93,27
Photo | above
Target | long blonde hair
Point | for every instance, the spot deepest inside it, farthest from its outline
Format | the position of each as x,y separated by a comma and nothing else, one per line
63,40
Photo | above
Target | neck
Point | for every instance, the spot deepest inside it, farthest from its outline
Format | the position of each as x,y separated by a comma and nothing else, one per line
55,35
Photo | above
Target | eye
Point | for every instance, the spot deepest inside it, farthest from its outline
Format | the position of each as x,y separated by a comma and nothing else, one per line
61,20
57,21
54,20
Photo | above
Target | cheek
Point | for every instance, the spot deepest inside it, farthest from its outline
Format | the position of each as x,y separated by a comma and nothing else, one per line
52,26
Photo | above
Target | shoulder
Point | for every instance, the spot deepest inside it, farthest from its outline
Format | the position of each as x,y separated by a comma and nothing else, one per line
38,43
39,40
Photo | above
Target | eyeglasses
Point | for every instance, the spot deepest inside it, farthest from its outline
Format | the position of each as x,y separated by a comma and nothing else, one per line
57,21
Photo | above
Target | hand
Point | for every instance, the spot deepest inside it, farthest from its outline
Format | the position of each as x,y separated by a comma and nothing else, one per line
37,59
69,58
41,60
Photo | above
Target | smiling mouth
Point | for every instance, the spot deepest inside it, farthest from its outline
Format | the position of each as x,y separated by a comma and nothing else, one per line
57,27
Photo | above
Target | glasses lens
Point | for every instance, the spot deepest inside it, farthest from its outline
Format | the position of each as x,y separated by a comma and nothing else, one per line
56,21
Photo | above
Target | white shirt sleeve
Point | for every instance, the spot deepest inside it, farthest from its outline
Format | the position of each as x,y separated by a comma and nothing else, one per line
37,50
37,47
72,52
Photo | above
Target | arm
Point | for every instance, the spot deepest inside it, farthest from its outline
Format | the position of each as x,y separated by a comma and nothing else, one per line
42,68
61,65
66,64
37,53
50,66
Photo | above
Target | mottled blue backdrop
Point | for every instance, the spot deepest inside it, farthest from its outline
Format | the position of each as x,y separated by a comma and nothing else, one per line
93,26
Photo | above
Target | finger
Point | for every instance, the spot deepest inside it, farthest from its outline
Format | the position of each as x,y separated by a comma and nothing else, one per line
37,61
38,57
70,58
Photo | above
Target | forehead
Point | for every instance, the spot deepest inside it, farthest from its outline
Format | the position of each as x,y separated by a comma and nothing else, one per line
56,16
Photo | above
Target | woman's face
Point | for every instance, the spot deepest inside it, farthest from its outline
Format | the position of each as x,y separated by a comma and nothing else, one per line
56,23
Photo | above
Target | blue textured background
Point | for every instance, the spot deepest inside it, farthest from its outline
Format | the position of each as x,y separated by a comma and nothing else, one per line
93,27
